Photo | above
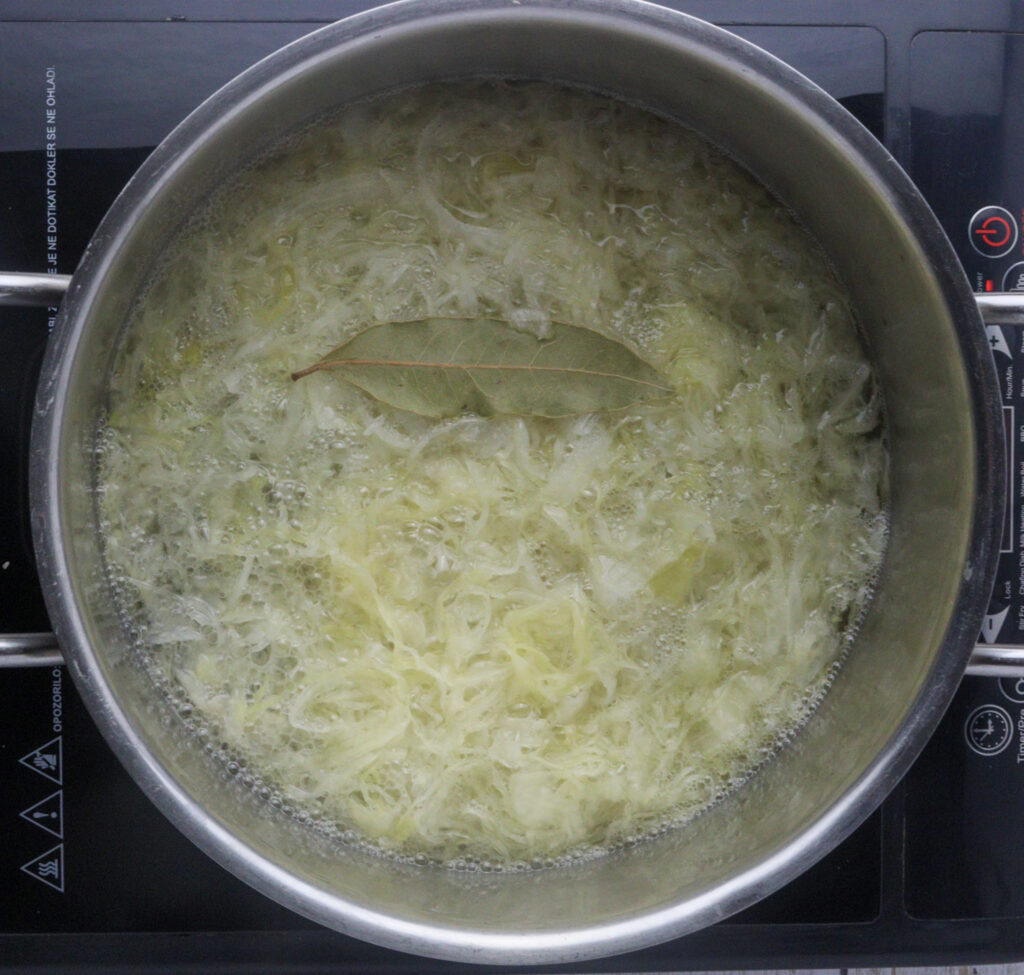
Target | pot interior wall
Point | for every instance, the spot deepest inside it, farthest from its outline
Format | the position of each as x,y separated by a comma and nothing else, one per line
896,680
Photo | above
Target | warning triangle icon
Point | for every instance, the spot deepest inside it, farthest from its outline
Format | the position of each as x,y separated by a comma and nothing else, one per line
48,814
48,868
47,760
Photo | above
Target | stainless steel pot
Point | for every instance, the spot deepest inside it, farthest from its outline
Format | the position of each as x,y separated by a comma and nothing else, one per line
925,334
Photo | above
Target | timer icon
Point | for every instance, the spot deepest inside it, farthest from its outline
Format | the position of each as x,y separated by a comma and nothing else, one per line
988,729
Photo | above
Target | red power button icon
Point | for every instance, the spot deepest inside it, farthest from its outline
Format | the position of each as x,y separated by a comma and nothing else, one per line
993,231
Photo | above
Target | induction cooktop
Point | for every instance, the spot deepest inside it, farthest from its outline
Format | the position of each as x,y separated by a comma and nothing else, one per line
91,875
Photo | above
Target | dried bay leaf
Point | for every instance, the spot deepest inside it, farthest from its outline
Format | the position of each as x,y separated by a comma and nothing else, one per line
442,367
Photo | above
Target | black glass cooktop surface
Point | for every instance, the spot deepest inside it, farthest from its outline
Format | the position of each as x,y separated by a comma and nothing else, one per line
91,874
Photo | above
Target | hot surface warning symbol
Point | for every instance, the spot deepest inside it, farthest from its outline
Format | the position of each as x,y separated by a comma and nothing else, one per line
48,867
48,814
47,760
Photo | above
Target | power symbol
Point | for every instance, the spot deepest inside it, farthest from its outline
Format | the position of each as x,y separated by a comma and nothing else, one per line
992,231
995,231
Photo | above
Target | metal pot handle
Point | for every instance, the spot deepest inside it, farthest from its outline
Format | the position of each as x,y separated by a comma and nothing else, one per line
996,660
29,650
27,289
41,291
41,649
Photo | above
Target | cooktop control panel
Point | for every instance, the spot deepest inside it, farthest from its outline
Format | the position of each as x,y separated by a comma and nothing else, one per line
967,149
967,157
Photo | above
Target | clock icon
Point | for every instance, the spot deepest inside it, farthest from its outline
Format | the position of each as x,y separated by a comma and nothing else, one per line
988,729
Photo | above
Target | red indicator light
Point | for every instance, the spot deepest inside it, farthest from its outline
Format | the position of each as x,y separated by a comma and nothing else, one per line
989,286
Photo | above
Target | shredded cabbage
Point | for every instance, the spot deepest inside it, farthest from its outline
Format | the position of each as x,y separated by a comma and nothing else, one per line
511,639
